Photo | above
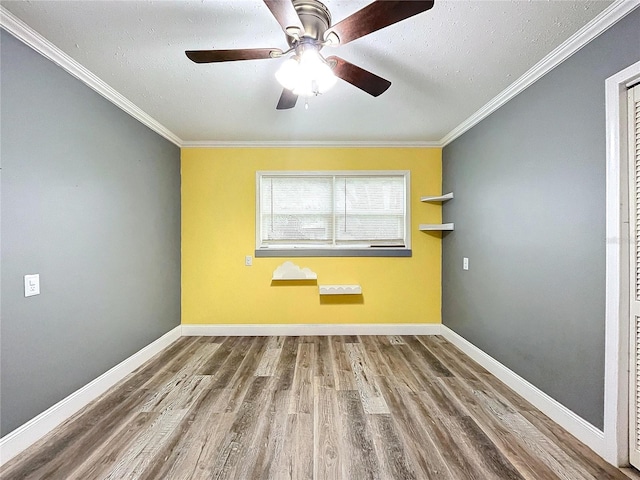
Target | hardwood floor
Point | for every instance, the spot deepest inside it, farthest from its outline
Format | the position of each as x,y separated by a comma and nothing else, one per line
310,408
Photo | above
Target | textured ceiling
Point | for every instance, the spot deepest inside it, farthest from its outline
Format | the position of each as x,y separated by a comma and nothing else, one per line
444,64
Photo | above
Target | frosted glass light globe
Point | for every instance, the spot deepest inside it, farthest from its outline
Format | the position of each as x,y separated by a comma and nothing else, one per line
307,75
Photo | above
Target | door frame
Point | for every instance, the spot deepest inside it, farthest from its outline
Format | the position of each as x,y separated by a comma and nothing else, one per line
617,324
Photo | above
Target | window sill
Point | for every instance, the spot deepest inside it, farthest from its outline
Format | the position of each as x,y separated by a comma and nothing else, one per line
332,252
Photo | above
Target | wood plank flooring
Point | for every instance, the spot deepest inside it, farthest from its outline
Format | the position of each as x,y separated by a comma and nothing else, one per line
397,407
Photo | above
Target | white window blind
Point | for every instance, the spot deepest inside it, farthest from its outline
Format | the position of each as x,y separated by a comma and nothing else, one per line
370,210
332,209
297,210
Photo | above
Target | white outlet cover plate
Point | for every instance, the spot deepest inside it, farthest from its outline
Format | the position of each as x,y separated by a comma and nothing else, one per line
31,285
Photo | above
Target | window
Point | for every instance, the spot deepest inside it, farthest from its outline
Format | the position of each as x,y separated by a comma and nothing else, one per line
361,213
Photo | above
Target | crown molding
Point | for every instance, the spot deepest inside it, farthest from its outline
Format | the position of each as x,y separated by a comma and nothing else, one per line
608,17
33,39
310,144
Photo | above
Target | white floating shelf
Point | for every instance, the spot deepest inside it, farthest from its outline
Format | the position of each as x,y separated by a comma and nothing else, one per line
291,271
435,227
340,289
439,198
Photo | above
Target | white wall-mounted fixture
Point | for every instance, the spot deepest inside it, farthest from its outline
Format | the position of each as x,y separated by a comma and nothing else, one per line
438,198
427,227
437,227
290,271
340,290
32,285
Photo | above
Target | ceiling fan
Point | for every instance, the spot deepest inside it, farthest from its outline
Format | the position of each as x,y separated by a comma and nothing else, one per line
307,25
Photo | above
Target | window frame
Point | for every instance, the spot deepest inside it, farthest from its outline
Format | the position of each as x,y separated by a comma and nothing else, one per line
332,250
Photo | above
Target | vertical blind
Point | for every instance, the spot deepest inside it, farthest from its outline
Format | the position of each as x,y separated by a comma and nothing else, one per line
323,209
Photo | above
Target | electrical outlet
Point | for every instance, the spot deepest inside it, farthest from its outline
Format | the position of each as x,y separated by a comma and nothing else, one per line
31,285
465,263
248,260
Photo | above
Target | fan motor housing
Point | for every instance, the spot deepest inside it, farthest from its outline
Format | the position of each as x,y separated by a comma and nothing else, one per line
315,18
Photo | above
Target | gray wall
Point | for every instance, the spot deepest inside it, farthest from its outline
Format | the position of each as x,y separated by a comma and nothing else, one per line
529,213
91,202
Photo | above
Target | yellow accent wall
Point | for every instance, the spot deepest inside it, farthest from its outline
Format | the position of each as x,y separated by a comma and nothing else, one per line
218,231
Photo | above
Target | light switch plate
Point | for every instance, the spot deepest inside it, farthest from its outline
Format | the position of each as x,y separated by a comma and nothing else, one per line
31,285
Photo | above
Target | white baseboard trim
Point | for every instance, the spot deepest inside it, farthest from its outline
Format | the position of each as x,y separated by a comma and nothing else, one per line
26,435
574,424
311,329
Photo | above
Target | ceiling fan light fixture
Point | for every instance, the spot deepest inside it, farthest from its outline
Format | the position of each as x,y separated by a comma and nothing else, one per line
306,75
288,73
308,29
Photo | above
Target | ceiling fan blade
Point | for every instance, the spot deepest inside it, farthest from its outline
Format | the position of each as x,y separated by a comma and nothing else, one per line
287,100
377,15
286,15
358,77
210,56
